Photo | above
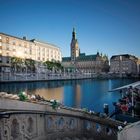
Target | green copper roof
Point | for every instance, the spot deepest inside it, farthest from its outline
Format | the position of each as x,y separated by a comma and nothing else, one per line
66,59
82,57
86,57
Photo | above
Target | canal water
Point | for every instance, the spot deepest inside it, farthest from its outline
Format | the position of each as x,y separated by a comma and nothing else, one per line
90,94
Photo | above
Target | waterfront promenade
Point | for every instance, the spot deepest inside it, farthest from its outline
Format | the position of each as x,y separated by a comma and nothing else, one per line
32,77
21,77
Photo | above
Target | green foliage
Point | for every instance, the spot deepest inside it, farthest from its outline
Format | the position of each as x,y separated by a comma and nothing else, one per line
16,61
50,65
19,62
22,97
30,64
54,104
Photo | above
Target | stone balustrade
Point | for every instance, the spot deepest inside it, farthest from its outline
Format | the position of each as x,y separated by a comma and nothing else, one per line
38,121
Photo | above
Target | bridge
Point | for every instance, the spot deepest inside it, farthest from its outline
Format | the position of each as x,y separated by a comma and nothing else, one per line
39,121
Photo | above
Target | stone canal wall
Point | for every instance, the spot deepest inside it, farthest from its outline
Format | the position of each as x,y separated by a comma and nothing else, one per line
39,121
32,77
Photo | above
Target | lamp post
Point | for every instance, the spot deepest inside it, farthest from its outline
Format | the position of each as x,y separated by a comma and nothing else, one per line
26,72
131,90
120,65
15,71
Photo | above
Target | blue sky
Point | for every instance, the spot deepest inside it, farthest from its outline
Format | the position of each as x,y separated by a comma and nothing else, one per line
108,26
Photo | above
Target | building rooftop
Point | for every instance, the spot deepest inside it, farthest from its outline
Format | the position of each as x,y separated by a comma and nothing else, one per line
82,57
23,39
66,59
31,41
124,55
45,43
86,57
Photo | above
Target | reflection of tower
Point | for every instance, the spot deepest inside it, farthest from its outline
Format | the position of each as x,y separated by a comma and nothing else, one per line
77,95
72,95
74,47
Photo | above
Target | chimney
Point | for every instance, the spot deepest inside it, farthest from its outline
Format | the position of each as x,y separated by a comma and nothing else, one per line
24,37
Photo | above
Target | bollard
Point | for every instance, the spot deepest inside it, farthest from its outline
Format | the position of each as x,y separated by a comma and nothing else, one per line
106,109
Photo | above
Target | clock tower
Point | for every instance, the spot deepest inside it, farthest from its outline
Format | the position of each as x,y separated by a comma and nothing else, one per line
74,46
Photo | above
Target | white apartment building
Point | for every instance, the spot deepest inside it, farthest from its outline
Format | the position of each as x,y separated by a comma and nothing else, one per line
47,52
11,46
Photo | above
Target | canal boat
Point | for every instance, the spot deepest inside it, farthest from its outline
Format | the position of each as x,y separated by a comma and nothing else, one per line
127,109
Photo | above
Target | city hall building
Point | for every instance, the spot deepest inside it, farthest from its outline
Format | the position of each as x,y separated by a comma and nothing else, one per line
96,63
38,51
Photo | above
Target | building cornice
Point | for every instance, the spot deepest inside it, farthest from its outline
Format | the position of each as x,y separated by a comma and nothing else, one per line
15,37
45,43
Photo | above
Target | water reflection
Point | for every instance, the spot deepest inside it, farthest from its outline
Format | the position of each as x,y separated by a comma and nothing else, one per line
72,95
52,93
91,94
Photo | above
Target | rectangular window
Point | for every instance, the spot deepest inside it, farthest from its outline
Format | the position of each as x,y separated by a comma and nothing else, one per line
0,58
7,47
0,37
8,60
7,40
25,44
30,51
14,53
7,57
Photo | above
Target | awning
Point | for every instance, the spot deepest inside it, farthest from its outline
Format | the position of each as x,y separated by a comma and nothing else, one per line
133,85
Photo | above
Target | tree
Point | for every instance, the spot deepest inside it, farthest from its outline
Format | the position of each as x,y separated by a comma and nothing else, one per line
17,63
30,64
56,65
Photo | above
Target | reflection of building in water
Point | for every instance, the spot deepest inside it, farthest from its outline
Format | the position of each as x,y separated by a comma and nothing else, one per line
51,93
77,91
72,95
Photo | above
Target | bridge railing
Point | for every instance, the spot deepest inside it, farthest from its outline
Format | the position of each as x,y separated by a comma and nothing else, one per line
38,121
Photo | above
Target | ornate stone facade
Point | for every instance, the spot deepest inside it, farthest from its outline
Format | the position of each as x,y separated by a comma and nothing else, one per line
124,64
85,63
74,47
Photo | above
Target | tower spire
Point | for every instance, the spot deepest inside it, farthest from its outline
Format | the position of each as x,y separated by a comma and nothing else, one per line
74,46
74,33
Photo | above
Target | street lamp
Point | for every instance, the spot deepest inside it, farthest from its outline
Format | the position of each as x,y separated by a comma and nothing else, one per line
120,65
